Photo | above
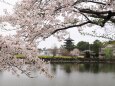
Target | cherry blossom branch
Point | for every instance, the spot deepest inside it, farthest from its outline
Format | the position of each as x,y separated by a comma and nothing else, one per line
89,11
70,27
80,1
3,1
105,15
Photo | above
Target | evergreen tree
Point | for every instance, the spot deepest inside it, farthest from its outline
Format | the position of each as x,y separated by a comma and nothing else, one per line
82,45
96,47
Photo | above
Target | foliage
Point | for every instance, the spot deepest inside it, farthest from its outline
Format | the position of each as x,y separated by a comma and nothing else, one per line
96,47
108,52
83,45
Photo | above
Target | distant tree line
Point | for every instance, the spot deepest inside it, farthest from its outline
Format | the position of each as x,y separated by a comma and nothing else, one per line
95,46
82,45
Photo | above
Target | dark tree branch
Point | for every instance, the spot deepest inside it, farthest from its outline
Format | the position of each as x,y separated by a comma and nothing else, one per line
105,15
89,11
96,2
70,27
83,15
80,1
107,18
89,21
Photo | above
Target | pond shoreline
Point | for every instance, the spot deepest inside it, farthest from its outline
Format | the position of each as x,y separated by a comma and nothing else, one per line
78,60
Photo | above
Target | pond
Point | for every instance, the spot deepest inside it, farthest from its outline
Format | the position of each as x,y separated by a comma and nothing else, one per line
66,75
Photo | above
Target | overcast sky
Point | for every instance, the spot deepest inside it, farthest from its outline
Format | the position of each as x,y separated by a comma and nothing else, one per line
51,41
74,34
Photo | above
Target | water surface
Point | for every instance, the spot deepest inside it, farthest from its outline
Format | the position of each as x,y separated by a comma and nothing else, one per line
66,75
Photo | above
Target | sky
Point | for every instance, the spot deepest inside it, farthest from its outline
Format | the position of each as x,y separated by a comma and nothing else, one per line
74,34
51,41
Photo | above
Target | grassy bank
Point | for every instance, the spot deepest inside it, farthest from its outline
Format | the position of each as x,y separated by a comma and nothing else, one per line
70,59
52,57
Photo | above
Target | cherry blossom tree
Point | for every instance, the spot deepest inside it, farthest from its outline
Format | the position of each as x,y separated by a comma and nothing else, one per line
42,18
10,47
38,19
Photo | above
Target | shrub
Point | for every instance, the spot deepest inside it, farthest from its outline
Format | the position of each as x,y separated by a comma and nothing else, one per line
108,53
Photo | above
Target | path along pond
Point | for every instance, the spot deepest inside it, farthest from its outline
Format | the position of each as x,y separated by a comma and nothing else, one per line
66,75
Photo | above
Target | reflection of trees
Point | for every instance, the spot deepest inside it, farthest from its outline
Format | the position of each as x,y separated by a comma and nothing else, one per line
84,67
107,68
54,68
67,68
1,74
89,68
94,68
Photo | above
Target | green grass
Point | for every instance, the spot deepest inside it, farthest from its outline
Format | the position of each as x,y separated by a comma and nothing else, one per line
56,57
19,56
22,56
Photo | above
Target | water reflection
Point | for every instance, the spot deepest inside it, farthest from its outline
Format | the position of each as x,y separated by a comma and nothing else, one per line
54,68
67,68
66,75
89,68
93,68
